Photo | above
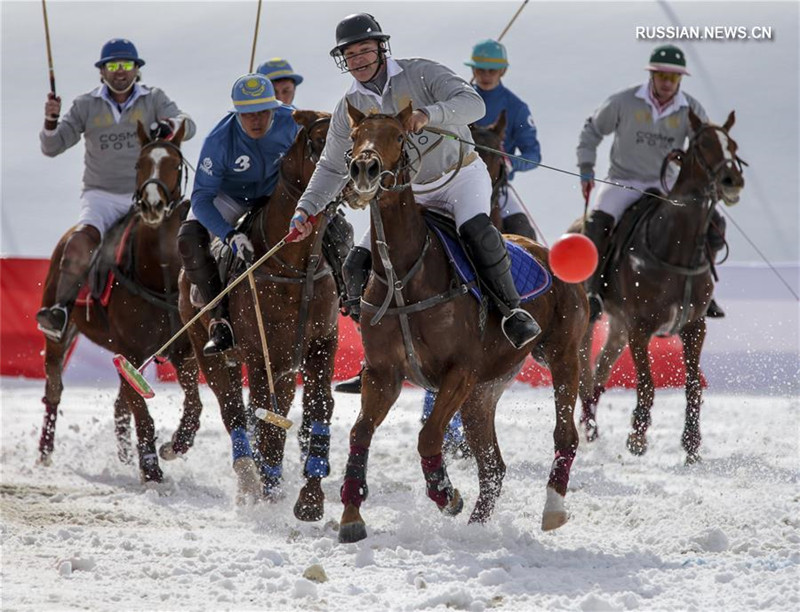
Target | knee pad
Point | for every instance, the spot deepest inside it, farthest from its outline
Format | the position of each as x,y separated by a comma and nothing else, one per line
484,241
193,242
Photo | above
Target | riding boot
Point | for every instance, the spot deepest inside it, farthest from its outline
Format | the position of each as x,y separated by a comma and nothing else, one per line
716,242
598,230
519,224
201,270
487,250
336,245
76,260
356,271
351,385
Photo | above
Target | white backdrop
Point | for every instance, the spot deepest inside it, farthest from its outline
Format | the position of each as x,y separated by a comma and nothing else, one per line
566,58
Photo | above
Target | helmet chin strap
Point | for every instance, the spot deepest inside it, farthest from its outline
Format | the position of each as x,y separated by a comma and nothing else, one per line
120,91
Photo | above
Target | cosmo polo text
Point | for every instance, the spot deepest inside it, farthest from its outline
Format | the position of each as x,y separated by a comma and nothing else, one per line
704,32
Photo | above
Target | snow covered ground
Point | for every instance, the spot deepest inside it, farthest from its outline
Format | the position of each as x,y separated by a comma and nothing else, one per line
646,533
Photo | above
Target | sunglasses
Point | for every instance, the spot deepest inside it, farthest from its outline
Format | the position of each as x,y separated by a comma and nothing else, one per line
668,76
127,65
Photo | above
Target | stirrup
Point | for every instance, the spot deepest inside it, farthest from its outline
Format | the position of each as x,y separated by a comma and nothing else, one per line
52,321
595,307
220,337
519,327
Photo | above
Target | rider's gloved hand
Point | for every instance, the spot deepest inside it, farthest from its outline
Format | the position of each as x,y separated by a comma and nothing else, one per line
300,223
241,246
162,129
52,110
587,181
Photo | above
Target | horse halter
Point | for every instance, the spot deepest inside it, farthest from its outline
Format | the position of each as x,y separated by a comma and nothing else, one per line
173,195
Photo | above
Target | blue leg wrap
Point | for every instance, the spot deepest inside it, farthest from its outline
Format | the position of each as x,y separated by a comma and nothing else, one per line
240,443
427,405
317,465
271,475
454,432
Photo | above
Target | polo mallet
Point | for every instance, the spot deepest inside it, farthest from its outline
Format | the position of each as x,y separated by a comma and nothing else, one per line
255,37
49,51
513,19
134,375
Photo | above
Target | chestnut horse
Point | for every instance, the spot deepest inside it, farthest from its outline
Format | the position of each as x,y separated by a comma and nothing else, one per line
431,336
299,305
141,313
660,282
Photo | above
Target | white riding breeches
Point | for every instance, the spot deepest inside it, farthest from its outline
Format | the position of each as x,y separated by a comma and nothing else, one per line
468,194
101,209
615,200
230,209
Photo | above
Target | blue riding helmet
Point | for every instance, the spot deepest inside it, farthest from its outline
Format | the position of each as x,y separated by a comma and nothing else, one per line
488,54
253,93
278,68
118,49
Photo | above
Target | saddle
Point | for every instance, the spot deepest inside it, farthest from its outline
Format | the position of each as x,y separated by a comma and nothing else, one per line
530,277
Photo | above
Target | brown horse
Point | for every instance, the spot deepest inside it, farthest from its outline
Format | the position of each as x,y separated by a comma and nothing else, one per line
432,337
660,281
299,304
141,313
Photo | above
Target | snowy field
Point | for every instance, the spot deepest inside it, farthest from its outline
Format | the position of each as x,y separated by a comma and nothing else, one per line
646,533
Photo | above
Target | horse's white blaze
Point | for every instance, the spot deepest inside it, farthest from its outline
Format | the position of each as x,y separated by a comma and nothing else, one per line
724,143
151,191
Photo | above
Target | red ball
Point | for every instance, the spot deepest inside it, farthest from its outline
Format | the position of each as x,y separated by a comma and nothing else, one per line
573,258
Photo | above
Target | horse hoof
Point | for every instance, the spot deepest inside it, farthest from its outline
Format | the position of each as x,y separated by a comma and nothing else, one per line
167,452
352,532
151,474
554,520
693,459
555,513
249,480
308,512
637,444
455,506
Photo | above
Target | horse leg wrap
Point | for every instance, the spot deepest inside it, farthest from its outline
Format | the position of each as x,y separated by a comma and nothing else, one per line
47,439
148,462
641,419
271,476
559,472
438,486
354,489
240,443
317,465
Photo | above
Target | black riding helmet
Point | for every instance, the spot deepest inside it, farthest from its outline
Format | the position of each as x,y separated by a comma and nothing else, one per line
355,28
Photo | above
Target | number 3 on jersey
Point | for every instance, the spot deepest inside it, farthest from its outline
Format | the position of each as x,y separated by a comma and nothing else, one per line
241,164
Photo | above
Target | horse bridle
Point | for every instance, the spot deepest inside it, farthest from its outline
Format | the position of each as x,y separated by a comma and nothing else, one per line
175,194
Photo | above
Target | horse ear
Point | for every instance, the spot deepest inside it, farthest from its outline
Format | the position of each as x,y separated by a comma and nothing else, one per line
177,138
404,114
142,133
694,120
356,116
729,121
499,126
304,118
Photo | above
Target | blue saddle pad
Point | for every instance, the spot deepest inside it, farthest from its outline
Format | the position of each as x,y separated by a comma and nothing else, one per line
530,277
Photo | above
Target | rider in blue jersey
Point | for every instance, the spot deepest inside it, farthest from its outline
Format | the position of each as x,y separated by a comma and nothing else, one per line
237,171
489,63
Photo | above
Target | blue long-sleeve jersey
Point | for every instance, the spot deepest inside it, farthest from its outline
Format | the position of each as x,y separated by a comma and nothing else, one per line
238,166
520,129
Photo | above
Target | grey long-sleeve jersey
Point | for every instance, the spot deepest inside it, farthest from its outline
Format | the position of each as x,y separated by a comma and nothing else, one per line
640,143
112,146
449,100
